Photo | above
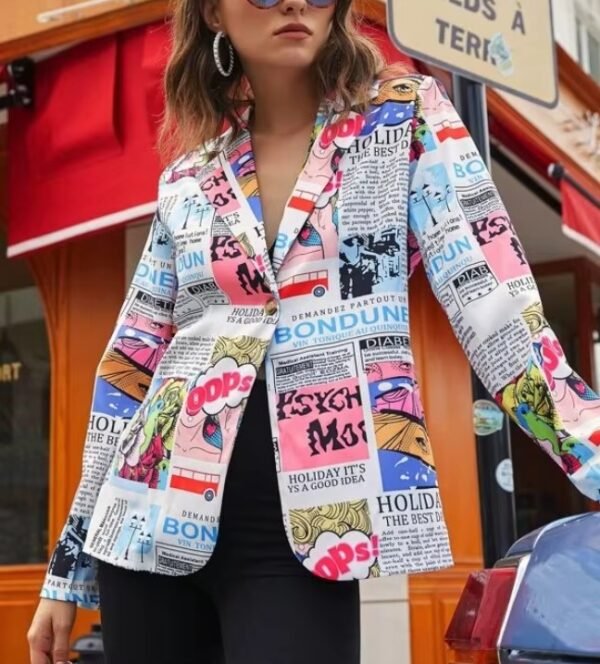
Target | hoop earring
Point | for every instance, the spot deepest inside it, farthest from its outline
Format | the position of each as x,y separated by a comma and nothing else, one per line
218,63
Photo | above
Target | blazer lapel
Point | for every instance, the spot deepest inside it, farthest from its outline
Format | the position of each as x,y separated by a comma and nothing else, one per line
246,223
315,175
239,168
320,176
229,182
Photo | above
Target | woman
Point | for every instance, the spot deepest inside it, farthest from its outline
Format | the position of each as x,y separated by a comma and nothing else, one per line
290,308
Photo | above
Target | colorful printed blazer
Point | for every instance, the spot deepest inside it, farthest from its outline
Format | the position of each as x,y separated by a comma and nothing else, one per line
328,317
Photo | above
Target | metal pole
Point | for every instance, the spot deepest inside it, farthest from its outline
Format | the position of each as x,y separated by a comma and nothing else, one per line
496,496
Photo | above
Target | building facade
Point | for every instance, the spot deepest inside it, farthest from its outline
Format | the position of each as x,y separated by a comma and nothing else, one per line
577,30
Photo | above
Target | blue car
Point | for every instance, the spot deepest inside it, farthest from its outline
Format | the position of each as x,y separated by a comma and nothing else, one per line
540,604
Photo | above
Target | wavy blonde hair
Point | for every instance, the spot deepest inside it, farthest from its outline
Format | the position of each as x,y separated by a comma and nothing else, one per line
243,349
339,518
199,101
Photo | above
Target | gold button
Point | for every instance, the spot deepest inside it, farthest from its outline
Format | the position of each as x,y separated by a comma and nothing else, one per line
271,307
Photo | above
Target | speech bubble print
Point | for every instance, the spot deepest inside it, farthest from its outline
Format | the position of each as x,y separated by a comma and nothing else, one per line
343,132
343,558
225,384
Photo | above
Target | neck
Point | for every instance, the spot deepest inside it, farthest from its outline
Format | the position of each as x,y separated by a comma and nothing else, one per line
284,102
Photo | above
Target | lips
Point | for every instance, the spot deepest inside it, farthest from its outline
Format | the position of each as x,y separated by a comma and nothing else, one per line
293,27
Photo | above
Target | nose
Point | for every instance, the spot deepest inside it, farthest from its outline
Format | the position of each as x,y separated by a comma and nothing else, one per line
293,6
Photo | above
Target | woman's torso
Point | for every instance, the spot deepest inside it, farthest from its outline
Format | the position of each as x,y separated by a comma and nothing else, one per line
328,315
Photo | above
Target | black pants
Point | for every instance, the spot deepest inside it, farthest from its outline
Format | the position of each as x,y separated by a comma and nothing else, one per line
253,603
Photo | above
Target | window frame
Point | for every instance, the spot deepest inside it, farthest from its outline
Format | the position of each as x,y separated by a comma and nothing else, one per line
587,27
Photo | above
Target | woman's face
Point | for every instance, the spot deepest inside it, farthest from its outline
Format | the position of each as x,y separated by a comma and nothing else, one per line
291,34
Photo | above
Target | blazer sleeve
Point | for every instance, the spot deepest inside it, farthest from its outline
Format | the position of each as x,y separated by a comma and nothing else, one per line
479,273
141,336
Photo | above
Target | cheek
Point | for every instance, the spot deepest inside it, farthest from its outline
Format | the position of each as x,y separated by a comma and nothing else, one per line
246,27
324,24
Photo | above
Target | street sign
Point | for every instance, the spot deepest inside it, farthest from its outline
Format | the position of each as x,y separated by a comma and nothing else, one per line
508,44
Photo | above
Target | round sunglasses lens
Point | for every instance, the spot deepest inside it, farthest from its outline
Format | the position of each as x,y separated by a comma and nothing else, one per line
264,4
321,4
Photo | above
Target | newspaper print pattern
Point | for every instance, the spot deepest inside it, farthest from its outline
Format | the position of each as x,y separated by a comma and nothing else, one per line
479,272
328,320
123,380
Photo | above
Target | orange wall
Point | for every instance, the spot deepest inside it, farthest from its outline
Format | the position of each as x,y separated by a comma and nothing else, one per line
82,288
445,379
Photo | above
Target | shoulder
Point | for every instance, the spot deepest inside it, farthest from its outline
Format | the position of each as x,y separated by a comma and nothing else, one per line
202,157
175,178
186,165
180,178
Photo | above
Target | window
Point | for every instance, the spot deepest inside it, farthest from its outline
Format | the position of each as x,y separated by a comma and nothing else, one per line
24,417
588,38
594,56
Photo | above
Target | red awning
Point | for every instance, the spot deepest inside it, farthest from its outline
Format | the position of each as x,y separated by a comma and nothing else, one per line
84,159
580,205
580,214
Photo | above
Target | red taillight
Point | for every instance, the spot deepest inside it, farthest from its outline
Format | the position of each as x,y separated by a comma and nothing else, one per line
475,626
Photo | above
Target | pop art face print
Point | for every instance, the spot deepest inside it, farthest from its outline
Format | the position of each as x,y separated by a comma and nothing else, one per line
327,317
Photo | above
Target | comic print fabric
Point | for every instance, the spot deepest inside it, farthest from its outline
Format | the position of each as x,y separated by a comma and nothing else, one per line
328,319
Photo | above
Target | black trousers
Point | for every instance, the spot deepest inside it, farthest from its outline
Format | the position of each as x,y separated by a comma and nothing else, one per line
253,603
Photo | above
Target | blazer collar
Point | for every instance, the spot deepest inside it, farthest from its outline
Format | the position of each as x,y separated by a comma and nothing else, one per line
245,218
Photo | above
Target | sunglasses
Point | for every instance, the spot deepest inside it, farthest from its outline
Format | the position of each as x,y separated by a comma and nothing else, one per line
269,4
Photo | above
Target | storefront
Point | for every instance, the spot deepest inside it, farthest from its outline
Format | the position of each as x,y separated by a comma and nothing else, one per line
78,217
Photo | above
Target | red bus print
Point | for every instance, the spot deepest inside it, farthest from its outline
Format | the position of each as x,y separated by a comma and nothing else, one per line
194,481
305,283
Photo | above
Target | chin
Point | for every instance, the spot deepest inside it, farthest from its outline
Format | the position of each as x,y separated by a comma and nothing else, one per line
292,59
